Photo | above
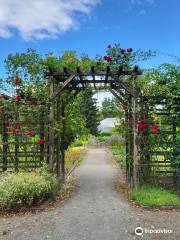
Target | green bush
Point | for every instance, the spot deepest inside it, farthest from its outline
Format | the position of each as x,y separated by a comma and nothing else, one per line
102,138
78,142
25,189
107,134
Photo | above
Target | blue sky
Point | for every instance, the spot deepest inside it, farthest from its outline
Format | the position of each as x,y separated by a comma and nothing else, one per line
89,26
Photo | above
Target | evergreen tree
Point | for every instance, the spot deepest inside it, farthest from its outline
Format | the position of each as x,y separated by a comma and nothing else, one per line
108,108
90,110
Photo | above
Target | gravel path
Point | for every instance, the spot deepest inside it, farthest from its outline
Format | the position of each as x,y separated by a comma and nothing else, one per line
95,211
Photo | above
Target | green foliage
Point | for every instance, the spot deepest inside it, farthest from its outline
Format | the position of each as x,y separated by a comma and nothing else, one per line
90,111
25,189
155,196
119,154
164,81
108,109
117,56
102,138
82,141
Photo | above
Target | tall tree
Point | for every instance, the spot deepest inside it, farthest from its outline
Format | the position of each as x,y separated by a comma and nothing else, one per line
90,110
108,108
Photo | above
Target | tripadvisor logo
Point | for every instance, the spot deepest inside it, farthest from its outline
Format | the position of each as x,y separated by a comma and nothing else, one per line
140,231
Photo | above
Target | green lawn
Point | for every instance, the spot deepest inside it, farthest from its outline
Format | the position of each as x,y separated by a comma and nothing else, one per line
155,196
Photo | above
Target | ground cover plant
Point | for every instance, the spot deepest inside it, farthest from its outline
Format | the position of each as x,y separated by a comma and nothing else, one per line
155,196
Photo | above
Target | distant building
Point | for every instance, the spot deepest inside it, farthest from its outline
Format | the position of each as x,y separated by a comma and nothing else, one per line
107,124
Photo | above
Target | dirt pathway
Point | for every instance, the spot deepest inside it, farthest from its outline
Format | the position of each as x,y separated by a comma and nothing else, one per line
95,211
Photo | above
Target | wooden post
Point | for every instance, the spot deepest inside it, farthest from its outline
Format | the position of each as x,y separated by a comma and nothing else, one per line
130,142
5,141
127,146
147,149
63,139
177,171
42,135
135,135
16,139
58,152
51,125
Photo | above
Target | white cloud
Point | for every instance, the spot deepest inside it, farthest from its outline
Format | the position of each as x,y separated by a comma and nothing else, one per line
39,19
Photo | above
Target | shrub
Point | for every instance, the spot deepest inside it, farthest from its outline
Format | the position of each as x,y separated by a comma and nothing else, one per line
115,140
25,189
72,154
81,141
102,138
107,134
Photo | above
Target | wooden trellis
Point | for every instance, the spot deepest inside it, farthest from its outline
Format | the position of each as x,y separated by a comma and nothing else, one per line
114,81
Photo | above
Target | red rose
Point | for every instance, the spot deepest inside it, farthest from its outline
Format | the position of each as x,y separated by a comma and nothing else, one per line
155,129
18,98
41,141
142,126
18,125
107,58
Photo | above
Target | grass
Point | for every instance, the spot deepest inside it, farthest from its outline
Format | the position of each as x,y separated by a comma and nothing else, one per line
155,196
119,154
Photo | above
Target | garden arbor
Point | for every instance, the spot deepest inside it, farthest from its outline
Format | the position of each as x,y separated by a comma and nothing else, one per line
115,82
33,131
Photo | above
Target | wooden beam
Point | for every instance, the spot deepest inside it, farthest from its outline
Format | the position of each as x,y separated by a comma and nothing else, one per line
93,76
107,74
63,86
115,73
117,96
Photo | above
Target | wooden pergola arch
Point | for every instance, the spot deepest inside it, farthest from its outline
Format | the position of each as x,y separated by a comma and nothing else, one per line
75,82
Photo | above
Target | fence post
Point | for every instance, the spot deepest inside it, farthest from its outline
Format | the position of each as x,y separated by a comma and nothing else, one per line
42,135
16,139
5,141
51,125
